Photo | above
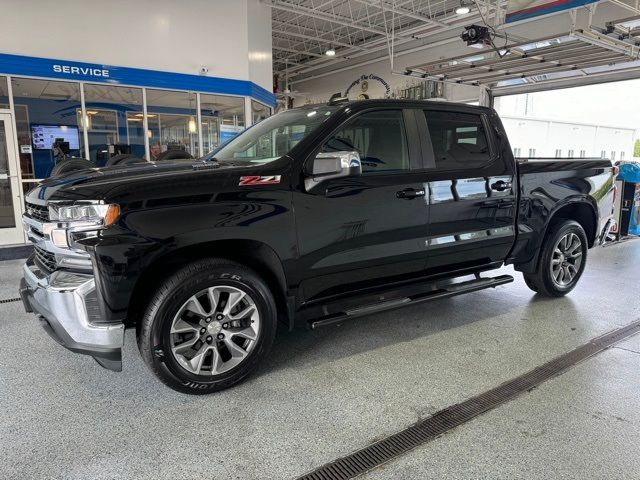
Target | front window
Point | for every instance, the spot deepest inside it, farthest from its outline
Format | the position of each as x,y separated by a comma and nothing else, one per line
273,137
378,137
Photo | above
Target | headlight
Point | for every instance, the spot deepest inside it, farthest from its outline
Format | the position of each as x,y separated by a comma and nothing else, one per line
98,214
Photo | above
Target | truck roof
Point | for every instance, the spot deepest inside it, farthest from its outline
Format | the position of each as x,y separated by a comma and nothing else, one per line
400,102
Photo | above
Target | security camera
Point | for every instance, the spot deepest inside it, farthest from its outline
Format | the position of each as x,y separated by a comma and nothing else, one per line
204,70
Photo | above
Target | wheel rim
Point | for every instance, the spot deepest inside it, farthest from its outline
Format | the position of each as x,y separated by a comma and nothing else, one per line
566,259
215,330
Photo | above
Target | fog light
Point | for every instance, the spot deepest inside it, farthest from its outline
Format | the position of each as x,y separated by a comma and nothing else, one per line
59,238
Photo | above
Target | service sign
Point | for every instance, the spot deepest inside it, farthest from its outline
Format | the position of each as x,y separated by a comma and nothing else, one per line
523,9
80,70
20,65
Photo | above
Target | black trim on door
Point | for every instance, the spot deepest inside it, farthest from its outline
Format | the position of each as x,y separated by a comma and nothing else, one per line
413,139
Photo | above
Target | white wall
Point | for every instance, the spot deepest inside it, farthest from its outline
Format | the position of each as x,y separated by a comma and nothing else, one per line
167,35
545,136
320,89
259,44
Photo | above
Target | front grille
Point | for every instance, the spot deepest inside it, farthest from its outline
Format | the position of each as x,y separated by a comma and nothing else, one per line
45,260
38,212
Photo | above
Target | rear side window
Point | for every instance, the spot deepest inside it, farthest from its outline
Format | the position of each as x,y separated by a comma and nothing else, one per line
380,139
459,140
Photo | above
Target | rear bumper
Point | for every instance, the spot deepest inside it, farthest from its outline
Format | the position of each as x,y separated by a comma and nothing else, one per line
67,305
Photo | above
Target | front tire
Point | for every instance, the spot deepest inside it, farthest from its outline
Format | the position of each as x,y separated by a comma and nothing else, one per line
208,326
562,260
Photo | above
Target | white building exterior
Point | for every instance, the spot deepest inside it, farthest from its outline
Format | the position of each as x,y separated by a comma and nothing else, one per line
537,137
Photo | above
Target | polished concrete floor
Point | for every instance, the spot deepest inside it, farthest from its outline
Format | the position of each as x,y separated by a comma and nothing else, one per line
326,393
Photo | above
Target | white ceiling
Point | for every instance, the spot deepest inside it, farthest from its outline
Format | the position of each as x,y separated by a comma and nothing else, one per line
364,31
303,30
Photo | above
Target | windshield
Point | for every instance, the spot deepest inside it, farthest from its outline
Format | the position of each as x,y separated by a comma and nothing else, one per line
273,137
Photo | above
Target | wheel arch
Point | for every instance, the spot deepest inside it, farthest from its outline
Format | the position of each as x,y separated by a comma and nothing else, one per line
580,209
254,254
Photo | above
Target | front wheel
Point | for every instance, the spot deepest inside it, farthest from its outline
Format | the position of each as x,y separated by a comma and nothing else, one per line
562,260
208,326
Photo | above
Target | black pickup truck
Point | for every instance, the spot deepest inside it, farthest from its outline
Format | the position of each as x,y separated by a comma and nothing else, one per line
313,216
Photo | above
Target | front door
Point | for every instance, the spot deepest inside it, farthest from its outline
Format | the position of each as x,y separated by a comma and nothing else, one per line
10,193
359,232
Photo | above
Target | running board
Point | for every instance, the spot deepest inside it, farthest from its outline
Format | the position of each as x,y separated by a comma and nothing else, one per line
443,292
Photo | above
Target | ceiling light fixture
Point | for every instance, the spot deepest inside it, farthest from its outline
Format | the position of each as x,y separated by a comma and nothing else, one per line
463,9
330,53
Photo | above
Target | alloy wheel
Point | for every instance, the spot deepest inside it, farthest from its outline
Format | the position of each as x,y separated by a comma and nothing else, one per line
215,330
566,259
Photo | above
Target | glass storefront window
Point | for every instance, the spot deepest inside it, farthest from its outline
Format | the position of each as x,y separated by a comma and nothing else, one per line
259,112
4,93
114,121
7,219
47,124
222,119
172,122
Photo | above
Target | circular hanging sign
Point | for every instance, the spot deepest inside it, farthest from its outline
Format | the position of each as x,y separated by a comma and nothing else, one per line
363,81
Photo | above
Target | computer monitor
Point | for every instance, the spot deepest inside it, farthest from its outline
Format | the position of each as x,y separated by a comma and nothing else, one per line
44,136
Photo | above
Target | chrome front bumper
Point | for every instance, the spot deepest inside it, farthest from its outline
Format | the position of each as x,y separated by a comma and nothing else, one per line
67,302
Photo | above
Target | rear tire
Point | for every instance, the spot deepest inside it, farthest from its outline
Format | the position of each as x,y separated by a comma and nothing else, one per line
208,326
562,260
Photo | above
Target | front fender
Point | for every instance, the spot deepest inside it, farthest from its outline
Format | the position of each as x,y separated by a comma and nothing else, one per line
142,237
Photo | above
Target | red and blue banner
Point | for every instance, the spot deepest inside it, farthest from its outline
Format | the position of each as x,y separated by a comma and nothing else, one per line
521,10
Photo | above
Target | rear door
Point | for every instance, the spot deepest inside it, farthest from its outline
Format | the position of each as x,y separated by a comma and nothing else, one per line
358,232
471,184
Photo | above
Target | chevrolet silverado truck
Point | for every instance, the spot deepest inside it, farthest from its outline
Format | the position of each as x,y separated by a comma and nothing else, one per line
312,217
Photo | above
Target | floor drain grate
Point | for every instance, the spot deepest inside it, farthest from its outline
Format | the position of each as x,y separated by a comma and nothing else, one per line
426,430
9,300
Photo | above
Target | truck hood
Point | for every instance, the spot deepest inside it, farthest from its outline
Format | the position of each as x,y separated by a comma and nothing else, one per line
118,181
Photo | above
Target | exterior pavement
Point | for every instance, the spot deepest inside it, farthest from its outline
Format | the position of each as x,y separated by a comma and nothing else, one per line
326,393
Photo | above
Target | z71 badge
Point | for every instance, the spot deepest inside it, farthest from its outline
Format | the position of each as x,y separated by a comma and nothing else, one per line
257,180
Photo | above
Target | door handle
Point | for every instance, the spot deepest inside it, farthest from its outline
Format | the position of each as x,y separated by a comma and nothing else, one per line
500,186
410,193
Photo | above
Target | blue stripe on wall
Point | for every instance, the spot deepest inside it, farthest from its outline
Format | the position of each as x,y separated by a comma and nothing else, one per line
92,72
552,7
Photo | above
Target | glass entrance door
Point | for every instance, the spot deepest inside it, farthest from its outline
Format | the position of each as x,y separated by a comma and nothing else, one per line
10,193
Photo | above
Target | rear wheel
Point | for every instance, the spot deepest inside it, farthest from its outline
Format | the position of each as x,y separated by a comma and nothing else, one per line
562,260
208,326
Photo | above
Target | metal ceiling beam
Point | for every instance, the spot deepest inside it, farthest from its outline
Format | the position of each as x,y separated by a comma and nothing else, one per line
333,43
529,70
617,75
383,6
613,59
380,44
299,52
344,21
497,64
626,6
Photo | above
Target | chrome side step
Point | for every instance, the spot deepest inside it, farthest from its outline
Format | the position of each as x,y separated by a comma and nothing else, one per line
442,292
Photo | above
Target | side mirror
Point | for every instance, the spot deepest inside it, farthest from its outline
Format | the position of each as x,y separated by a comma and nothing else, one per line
327,166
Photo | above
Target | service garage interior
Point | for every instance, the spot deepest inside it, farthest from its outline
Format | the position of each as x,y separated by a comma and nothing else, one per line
503,381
